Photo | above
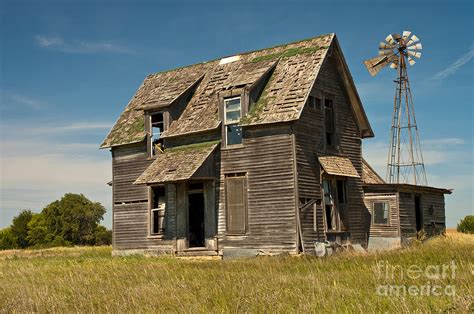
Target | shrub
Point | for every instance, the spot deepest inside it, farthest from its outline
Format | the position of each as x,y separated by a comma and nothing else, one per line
466,225
103,236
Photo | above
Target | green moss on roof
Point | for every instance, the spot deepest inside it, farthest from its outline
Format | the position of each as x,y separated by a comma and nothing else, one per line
257,108
290,52
195,146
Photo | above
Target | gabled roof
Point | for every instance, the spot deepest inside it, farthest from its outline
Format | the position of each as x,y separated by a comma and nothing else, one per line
295,68
369,176
177,164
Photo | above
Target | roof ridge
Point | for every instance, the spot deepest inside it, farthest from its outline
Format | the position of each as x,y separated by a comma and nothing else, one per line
240,54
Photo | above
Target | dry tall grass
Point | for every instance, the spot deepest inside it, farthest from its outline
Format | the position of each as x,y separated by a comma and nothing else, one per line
89,280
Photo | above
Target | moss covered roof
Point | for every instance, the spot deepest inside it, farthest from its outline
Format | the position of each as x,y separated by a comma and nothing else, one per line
295,69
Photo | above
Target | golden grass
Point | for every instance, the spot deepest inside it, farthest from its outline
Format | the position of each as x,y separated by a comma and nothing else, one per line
89,280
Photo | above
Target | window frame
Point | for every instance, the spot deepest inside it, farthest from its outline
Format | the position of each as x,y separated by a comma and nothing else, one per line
236,176
387,203
333,121
339,210
149,129
232,122
152,210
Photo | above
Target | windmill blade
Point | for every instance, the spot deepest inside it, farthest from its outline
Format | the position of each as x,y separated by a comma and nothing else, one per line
390,40
384,45
376,64
411,61
414,38
385,52
394,65
416,46
406,35
414,54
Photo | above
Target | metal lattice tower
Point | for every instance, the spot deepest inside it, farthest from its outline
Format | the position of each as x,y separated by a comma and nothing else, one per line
405,159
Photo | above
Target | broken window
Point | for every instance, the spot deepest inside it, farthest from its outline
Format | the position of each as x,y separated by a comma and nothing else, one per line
329,122
158,207
236,197
335,204
157,127
380,213
232,115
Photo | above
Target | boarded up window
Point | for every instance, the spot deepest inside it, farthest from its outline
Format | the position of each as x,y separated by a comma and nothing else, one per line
236,204
381,213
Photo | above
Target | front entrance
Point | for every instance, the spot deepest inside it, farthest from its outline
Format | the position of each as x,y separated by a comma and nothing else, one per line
196,219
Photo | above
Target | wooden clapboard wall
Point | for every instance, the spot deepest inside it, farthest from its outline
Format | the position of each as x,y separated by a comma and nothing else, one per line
309,136
390,230
131,207
267,159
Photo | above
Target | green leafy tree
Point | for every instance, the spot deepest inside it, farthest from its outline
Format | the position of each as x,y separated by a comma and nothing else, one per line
19,228
74,218
38,235
7,240
466,225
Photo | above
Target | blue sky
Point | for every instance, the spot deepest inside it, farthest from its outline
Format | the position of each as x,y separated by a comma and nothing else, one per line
68,68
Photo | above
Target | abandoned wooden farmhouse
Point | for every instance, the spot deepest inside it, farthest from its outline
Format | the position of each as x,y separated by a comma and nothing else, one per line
256,152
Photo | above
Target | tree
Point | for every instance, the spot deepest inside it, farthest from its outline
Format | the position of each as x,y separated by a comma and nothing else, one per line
466,225
7,240
74,218
19,228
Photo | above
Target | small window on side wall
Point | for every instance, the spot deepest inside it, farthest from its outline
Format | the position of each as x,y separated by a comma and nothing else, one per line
158,207
314,103
232,115
380,213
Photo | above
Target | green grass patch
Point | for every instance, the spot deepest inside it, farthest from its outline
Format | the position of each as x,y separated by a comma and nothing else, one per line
90,280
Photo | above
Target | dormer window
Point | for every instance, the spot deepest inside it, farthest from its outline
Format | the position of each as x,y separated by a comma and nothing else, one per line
232,115
157,125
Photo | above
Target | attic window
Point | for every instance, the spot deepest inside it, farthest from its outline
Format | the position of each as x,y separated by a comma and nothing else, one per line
232,115
329,122
157,126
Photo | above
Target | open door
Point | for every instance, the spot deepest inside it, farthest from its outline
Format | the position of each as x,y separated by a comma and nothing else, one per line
196,233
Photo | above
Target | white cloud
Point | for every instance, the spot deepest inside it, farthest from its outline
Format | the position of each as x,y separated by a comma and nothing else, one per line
455,66
9,98
79,46
39,167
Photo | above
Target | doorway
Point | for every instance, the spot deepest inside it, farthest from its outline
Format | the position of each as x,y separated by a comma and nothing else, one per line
418,213
196,220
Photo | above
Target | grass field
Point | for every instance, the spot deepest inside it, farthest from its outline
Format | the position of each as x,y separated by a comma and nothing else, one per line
90,280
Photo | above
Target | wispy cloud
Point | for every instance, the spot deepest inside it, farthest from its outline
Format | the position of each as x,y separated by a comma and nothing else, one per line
79,46
9,98
456,65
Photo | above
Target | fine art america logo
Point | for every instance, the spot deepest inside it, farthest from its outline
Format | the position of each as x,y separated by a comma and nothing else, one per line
422,281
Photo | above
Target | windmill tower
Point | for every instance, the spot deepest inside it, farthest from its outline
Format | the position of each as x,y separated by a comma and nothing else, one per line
405,159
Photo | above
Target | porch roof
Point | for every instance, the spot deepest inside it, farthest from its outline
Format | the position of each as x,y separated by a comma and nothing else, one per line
177,163
338,166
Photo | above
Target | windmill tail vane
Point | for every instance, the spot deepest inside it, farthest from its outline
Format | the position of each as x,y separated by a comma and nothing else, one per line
405,160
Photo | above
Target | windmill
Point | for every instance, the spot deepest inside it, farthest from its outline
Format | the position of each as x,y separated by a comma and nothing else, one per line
405,159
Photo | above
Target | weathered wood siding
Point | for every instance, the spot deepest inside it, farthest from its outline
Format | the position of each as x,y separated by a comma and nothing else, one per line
131,206
268,162
408,216
390,230
309,137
